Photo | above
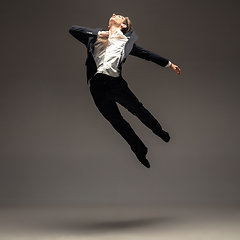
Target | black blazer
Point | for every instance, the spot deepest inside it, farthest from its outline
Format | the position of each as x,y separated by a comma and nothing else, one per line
88,37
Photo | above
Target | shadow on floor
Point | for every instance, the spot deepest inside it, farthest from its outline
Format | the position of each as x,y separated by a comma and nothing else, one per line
110,225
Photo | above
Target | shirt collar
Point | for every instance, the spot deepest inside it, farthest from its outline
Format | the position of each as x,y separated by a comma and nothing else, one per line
118,33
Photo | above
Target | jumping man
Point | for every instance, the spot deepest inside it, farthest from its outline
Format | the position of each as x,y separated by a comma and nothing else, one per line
107,51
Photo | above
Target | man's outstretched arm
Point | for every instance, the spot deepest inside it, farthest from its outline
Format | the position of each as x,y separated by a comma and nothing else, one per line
151,56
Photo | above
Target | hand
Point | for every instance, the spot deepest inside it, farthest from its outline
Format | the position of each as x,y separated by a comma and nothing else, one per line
175,68
104,34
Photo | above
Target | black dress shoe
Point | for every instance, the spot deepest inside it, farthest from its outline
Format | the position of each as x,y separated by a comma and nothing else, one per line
144,161
142,158
164,136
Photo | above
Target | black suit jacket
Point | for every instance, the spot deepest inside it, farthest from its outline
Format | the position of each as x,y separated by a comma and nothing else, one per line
88,37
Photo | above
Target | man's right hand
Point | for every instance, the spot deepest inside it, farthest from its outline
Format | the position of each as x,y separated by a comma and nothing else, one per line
104,34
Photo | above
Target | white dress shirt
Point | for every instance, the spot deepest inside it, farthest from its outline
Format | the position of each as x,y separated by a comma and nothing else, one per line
108,52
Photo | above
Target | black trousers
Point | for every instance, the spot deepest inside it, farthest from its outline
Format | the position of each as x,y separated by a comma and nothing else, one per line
107,91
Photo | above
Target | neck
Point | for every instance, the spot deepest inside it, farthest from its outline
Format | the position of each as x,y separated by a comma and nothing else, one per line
113,29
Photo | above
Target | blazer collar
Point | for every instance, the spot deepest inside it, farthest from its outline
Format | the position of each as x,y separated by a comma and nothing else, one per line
131,34
132,38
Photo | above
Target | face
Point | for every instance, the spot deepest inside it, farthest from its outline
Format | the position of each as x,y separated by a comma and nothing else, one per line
116,19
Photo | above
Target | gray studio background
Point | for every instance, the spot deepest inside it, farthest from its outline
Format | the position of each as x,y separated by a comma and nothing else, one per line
55,147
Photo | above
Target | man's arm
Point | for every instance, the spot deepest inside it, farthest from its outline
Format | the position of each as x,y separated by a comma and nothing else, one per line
82,33
151,56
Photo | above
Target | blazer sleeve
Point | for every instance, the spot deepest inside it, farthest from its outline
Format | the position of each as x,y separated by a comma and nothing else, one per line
143,53
82,33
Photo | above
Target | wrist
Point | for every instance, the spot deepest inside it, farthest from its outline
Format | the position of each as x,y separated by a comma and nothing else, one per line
169,64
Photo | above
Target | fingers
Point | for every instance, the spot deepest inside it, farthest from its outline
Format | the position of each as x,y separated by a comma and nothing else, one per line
177,70
104,34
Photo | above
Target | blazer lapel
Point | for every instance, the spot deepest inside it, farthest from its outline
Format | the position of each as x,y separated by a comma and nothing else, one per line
133,37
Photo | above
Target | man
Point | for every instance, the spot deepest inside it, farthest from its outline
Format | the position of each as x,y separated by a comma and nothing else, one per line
107,51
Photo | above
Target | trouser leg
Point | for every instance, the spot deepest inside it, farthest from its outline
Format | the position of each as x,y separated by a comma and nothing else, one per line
110,111
128,100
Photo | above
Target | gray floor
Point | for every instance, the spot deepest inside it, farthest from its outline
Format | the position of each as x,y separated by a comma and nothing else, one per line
115,222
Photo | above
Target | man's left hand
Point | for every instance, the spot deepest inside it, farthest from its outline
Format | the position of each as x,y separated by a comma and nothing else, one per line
175,68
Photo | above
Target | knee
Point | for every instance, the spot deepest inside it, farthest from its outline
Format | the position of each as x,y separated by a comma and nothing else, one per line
138,109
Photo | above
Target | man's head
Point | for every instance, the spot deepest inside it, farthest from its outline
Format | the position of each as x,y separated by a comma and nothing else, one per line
121,22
